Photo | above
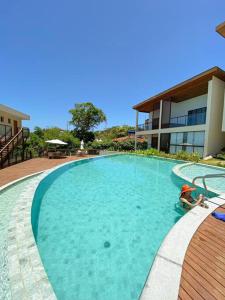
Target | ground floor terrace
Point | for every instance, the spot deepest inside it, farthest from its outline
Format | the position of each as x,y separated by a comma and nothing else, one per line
172,141
203,269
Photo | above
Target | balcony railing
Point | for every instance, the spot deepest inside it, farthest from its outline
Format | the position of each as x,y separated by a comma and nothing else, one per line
14,148
5,133
144,127
187,120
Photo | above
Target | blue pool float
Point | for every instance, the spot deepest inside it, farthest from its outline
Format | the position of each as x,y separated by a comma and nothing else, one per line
219,216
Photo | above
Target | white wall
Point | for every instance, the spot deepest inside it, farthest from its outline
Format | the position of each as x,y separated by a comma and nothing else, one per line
214,137
182,108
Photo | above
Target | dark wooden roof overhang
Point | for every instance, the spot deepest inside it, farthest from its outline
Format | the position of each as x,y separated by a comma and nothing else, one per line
221,29
193,87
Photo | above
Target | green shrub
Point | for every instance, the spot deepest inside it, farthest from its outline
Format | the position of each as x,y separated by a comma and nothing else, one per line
221,156
220,164
116,146
182,155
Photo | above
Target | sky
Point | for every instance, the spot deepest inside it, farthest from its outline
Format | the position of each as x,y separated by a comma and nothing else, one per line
112,53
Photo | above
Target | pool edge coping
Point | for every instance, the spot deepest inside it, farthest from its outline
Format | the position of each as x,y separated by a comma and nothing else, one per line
163,281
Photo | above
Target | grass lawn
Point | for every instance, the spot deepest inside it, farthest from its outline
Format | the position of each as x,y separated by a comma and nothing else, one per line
214,162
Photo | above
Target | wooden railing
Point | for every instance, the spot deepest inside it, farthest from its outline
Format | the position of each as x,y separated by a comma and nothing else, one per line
6,153
5,133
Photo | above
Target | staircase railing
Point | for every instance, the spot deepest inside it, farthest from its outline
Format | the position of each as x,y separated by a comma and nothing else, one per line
5,133
204,177
15,141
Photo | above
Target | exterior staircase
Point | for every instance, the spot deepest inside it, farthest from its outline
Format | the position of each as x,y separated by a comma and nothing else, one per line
9,145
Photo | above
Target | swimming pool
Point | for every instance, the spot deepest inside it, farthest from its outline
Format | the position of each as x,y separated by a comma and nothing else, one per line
194,170
99,223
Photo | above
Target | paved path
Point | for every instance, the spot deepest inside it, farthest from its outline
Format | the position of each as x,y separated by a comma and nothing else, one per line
31,166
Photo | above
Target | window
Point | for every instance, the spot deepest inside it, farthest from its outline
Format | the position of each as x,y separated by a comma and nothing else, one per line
197,116
199,138
185,137
172,149
187,141
9,121
180,138
2,119
190,137
173,138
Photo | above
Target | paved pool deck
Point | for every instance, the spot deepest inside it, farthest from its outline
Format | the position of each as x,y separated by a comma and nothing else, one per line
31,166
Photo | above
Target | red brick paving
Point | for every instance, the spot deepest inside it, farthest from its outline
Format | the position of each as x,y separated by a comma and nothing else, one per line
31,166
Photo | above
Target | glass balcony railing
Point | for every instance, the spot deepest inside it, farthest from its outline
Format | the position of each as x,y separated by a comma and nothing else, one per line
144,127
187,120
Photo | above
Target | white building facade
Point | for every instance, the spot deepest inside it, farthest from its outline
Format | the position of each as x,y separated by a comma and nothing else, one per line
189,116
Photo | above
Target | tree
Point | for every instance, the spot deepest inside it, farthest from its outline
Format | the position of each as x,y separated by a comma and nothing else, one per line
57,133
39,132
86,117
113,132
36,141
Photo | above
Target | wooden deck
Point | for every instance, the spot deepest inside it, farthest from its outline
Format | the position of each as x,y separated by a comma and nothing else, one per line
203,274
32,166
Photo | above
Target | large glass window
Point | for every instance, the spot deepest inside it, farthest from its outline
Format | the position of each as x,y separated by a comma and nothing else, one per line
196,116
172,149
180,138
187,141
190,137
199,138
173,138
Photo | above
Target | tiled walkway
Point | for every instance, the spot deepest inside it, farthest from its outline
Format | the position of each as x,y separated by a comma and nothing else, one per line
203,274
31,166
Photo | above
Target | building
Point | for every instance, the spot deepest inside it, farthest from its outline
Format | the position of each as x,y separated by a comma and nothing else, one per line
221,29
12,135
189,116
11,119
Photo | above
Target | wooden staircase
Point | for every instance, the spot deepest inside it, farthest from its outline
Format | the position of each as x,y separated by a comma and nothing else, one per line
9,143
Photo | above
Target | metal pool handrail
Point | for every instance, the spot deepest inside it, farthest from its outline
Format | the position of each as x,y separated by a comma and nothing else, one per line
204,177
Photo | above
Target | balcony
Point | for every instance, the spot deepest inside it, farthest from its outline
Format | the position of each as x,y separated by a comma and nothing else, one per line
144,127
5,133
197,118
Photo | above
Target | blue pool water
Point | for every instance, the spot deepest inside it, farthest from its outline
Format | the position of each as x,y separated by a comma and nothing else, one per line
195,170
99,223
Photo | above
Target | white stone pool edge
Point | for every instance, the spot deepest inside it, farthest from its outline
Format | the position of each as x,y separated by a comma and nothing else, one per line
163,281
27,276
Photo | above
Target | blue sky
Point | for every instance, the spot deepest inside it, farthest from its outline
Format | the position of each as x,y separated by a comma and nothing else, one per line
112,53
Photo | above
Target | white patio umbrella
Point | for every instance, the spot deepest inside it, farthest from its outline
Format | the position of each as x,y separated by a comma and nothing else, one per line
56,142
